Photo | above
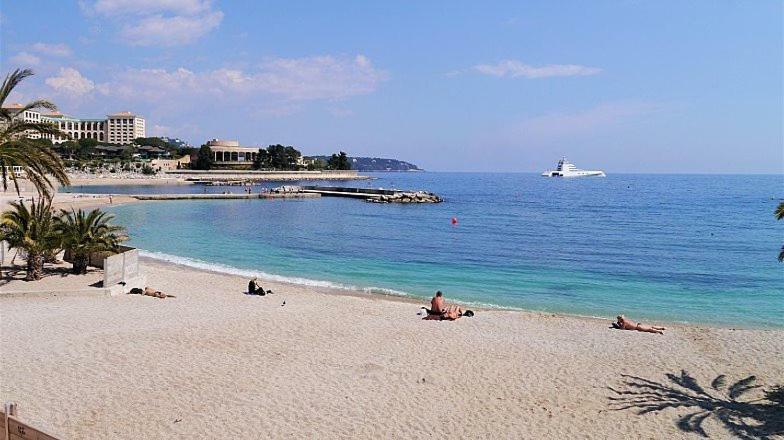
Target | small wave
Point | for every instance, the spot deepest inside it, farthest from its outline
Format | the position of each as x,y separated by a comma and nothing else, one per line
249,273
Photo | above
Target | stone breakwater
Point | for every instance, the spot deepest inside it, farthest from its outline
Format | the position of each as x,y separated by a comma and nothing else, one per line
408,197
370,194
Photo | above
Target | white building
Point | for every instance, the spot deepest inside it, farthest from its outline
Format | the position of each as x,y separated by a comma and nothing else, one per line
231,153
124,127
25,116
118,128
76,128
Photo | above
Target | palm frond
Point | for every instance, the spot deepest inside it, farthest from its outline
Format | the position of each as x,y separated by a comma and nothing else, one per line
11,81
40,163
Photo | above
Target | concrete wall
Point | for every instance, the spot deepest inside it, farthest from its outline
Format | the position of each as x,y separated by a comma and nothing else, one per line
266,175
120,268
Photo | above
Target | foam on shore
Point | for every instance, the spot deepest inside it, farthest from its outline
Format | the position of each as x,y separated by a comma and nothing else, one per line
249,273
373,290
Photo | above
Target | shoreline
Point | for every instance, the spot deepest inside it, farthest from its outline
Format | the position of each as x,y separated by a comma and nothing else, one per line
405,298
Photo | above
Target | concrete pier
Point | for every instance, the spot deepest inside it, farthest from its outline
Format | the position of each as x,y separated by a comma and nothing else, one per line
268,195
373,195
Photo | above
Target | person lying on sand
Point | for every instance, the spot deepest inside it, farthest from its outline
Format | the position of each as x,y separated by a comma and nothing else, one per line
624,324
440,311
149,292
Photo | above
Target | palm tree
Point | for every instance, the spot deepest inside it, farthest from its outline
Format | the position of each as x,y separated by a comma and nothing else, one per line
39,162
779,213
31,230
84,233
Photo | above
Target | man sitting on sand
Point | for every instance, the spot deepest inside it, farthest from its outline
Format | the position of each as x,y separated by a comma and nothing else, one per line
439,310
625,324
437,305
254,288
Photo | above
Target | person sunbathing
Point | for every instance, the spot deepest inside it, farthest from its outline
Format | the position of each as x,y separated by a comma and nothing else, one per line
440,311
624,324
156,293
149,292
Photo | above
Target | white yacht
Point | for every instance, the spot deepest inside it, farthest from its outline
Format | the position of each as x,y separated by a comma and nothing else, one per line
566,169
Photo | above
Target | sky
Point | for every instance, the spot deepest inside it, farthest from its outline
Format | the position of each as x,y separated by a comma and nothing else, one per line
624,86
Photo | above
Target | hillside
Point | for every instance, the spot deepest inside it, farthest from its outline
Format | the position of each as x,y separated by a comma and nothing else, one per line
377,164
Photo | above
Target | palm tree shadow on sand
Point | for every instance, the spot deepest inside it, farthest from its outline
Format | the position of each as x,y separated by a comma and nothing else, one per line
747,419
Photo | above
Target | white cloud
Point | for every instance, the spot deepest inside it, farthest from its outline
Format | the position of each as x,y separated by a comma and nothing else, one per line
514,69
170,31
158,22
57,50
24,59
322,77
119,7
293,79
70,82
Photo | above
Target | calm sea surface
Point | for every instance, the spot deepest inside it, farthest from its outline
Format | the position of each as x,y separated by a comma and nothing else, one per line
690,248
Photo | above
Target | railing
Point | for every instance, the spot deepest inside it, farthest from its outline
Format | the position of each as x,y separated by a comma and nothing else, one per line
11,428
387,192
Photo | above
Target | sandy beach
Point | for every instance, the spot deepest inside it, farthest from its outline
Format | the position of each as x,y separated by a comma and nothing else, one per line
216,363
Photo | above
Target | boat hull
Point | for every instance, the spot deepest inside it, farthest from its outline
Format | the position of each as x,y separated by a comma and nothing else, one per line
577,174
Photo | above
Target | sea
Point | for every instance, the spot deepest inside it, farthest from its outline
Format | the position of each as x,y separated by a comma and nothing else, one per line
698,249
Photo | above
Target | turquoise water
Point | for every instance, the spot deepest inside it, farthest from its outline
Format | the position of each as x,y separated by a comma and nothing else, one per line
687,248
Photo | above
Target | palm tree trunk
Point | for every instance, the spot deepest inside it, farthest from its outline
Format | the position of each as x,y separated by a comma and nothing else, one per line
35,267
80,264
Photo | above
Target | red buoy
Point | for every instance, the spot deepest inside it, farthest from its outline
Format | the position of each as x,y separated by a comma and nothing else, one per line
454,220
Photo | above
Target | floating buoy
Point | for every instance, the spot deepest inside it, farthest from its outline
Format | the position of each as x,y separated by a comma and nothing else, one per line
454,220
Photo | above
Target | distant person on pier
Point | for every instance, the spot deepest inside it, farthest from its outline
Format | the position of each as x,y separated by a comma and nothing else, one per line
624,324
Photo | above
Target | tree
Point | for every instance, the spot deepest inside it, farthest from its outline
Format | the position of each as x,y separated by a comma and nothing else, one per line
85,233
779,213
204,159
69,149
339,162
261,160
87,144
127,153
153,141
31,230
277,157
316,164
40,163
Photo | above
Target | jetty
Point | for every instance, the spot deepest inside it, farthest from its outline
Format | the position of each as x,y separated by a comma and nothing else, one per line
263,195
304,192
371,194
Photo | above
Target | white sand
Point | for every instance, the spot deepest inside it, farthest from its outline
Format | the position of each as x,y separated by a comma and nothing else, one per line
215,363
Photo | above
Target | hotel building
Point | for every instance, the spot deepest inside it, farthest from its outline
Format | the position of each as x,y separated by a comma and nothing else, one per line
118,128
25,116
124,127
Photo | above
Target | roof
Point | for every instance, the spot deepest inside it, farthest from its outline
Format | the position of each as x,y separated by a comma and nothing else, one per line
15,105
112,148
123,115
150,148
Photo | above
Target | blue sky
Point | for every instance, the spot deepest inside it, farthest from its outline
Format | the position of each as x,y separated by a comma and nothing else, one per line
628,86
